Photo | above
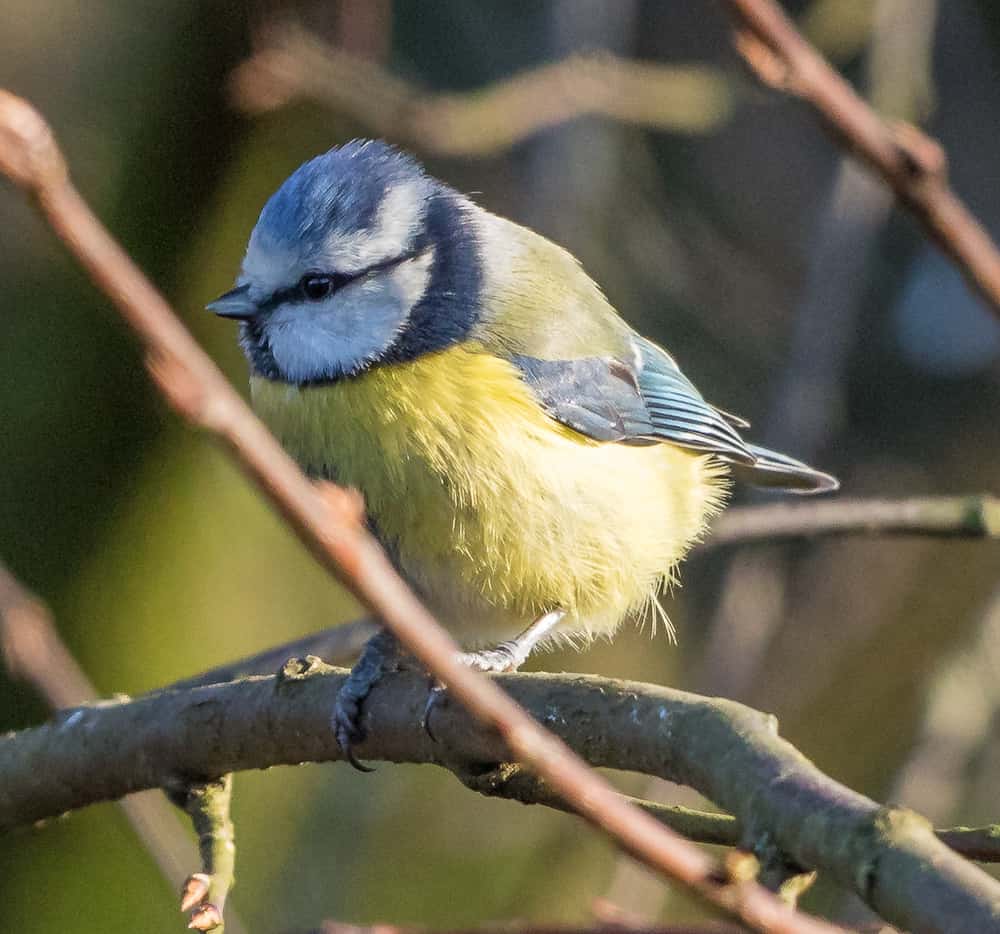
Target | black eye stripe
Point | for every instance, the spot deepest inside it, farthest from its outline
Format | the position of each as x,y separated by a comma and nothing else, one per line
296,295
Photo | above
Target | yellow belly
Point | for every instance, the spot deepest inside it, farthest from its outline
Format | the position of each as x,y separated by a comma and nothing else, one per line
495,512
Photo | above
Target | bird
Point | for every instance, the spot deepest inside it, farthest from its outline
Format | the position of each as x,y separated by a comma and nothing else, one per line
534,468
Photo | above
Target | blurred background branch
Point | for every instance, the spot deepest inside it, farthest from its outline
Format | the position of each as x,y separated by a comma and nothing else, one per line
976,516
911,163
293,64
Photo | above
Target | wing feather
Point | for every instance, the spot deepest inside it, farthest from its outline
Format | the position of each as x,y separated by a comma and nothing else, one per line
648,399
679,412
639,401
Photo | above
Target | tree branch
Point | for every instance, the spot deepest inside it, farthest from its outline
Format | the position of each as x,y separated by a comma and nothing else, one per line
512,783
729,753
911,163
327,520
972,516
979,843
32,651
294,64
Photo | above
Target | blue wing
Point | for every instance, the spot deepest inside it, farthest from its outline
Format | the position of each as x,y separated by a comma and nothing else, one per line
639,401
647,399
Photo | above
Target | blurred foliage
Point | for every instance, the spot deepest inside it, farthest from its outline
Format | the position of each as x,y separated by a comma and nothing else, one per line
159,560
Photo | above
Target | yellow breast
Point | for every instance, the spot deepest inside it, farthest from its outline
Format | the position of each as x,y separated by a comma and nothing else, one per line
495,512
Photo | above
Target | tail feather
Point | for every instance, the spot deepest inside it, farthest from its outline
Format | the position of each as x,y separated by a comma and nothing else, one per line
779,471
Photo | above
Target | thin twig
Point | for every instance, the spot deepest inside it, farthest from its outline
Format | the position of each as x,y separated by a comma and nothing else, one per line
911,163
729,753
513,783
32,650
294,64
978,843
204,893
326,520
972,516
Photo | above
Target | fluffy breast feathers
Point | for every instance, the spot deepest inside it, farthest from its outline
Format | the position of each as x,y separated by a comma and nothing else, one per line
495,512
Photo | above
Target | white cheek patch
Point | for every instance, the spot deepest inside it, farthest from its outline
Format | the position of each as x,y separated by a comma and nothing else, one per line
397,220
410,279
354,327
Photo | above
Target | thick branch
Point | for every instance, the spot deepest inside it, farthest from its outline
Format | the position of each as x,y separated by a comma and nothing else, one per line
911,163
328,522
728,752
974,516
294,64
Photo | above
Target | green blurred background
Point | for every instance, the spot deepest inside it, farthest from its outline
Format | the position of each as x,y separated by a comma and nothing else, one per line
783,279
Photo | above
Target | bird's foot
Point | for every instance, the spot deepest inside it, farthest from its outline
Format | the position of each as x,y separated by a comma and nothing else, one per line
381,654
507,656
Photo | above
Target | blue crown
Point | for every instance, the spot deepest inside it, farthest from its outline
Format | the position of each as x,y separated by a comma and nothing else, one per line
340,191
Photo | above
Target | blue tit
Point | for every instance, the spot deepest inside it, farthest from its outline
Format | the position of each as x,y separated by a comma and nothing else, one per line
533,466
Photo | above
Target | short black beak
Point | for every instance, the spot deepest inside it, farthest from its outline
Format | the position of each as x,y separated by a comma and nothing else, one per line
235,304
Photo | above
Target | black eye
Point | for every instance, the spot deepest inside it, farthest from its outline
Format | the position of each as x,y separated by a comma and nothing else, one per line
316,288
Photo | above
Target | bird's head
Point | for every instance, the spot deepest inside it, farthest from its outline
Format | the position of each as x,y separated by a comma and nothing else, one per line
358,259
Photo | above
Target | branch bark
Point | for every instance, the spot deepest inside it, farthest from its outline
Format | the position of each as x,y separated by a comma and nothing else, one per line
728,752
911,163
327,521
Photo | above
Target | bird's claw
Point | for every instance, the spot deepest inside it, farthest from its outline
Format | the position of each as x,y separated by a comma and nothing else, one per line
379,655
435,694
500,658
348,731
